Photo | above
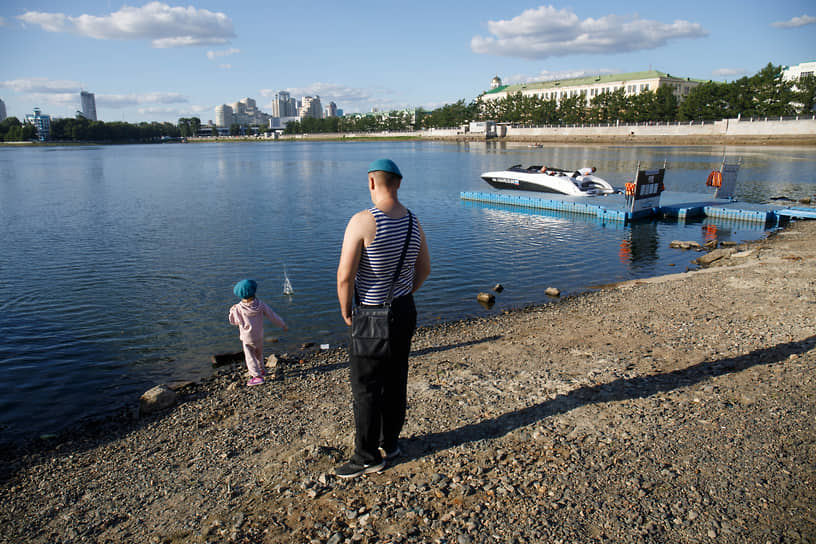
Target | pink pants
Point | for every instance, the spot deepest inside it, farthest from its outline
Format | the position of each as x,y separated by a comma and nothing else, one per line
254,360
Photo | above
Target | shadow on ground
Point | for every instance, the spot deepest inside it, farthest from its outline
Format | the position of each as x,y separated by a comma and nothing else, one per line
617,390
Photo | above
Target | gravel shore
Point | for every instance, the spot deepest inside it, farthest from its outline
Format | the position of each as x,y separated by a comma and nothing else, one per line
674,409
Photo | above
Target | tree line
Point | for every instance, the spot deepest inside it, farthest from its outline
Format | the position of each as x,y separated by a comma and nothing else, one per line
765,94
81,129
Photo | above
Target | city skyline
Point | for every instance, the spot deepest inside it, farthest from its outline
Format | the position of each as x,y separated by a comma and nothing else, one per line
158,61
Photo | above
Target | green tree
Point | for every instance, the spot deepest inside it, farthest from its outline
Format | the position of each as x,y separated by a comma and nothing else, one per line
572,110
665,105
708,101
546,112
7,124
773,96
805,93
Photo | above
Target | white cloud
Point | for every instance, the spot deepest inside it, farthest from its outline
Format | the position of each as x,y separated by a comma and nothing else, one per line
54,99
129,100
212,55
795,22
349,99
332,91
3,21
156,110
549,32
163,25
729,72
51,22
225,66
42,85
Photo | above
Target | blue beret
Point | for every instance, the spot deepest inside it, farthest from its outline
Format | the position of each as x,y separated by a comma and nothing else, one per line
245,288
384,165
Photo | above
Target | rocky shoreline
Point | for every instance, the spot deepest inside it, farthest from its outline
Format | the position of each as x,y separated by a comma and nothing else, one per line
674,409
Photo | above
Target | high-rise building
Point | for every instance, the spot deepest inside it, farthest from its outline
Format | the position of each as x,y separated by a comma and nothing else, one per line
311,107
284,105
245,112
224,116
88,105
331,110
41,122
2,110
239,113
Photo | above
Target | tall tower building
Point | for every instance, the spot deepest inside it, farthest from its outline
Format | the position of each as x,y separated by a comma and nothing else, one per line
250,105
2,110
88,105
239,113
331,110
284,105
223,116
311,108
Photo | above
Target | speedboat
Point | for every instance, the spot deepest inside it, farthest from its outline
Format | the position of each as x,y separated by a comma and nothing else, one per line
547,179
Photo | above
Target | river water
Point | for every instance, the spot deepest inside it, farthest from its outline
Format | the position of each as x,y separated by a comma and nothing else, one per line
117,263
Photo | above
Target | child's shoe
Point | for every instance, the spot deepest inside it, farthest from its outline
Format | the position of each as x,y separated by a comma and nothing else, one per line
257,380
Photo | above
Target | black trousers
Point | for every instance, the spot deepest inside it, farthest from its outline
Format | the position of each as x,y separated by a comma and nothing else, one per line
379,388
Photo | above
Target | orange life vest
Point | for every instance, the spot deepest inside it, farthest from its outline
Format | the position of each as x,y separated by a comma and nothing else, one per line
714,179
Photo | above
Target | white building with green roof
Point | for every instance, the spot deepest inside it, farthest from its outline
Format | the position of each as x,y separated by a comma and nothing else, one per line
632,83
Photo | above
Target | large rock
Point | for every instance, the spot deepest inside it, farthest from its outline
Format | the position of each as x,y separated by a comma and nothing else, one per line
157,399
715,255
486,297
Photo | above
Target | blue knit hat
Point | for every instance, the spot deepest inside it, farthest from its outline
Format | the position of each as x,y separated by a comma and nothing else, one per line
245,288
385,165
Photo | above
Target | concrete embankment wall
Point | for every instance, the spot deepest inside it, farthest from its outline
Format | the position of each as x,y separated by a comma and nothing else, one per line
778,131
731,130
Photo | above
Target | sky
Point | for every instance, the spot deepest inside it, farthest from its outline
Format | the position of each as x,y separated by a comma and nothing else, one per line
162,60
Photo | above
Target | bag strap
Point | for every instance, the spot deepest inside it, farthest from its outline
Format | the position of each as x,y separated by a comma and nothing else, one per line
402,259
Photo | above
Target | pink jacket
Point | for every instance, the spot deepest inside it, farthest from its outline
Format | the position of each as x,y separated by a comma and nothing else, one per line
249,318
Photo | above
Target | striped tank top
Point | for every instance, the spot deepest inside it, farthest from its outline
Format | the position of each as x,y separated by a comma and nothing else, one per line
379,260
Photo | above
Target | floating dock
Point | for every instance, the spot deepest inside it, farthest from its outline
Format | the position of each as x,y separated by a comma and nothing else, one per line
680,206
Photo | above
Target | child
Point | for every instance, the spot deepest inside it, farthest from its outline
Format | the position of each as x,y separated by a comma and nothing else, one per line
248,315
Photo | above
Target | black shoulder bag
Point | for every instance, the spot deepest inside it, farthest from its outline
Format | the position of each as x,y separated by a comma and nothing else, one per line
371,325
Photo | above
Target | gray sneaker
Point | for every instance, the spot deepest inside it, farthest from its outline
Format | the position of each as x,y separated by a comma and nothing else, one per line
352,469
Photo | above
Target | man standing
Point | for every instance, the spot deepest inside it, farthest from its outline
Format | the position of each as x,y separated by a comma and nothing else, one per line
371,251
